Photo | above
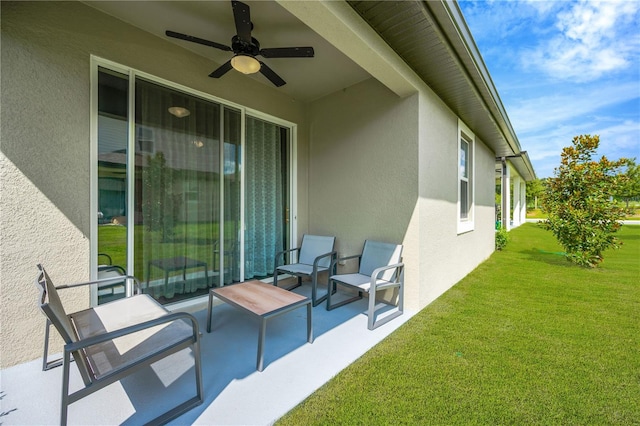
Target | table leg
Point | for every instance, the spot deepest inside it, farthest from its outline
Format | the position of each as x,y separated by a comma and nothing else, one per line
309,324
209,308
263,329
148,274
206,274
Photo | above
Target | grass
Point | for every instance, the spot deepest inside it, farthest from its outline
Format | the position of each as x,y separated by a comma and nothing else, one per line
526,338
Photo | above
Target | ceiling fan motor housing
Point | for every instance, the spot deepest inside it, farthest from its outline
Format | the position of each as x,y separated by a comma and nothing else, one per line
240,46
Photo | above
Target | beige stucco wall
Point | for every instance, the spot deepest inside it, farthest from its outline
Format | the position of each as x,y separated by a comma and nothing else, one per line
444,255
364,168
45,142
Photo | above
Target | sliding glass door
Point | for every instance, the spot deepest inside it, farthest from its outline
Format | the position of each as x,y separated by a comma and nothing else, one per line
208,187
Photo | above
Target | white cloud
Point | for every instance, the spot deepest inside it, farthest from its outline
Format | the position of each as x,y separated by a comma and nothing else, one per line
595,38
555,107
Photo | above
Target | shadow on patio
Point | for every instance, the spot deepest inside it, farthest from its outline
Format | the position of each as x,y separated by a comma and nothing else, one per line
235,393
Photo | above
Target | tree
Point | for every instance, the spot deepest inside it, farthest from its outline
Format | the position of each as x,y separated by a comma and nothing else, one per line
534,191
629,188
578,202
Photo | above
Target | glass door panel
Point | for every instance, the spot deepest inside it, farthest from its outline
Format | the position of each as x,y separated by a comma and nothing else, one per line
232,155
177,192
113,101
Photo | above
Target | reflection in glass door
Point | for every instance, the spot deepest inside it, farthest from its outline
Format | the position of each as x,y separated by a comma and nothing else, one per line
180,177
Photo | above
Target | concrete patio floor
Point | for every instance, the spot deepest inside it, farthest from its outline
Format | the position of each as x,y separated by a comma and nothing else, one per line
235,393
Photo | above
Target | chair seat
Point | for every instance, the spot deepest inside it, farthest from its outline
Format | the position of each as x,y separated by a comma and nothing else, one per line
357,280
106,357
300,269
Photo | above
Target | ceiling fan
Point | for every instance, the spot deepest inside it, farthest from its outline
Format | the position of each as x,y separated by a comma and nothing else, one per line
245,48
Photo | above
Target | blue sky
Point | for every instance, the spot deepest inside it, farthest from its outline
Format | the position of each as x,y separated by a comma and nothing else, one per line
563,68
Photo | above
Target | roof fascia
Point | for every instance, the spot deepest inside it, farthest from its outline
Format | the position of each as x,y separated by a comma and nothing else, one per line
451,20
341,26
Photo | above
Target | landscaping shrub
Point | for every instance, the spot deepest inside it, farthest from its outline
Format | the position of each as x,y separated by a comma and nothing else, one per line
502,238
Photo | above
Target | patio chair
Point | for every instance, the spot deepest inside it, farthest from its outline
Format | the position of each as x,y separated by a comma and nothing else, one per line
95,337
315,254
380,268
112,278
114,288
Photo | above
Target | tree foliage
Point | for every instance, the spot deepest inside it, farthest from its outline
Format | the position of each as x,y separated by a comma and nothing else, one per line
578,201
535,188
629,188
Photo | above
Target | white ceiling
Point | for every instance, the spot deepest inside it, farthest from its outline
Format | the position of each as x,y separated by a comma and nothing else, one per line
307,78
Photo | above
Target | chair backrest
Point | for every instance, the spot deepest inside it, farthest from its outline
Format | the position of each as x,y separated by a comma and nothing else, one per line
52,307
376,254
313,246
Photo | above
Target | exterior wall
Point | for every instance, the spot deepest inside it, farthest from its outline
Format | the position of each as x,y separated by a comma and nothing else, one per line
444,255
364,167
44,159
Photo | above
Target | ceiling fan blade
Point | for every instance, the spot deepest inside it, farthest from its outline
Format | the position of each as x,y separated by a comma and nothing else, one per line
197,40
288,52
242,16
271,75
222,70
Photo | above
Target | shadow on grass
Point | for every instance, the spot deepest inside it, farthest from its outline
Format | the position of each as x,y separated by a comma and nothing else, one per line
549,257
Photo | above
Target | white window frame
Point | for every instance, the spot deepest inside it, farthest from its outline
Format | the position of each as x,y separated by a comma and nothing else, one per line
465,134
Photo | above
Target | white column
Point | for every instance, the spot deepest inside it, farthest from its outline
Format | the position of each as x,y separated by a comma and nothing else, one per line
506,197
523,201
517,201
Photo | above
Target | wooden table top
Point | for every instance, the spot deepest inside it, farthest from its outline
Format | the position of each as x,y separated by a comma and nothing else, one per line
258,297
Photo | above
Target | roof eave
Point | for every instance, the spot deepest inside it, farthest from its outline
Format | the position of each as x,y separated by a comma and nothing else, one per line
442,52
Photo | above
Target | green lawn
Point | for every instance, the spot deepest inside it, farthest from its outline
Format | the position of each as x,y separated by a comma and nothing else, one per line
526,338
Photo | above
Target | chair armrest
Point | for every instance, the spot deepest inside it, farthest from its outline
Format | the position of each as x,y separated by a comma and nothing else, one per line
281,253
104,281
378,271
340,259
332,264
333,254
120,269
101,338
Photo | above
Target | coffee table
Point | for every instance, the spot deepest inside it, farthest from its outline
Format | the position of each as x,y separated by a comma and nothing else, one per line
264,301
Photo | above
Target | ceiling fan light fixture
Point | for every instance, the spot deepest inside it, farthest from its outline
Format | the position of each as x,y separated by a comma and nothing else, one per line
245,64
179,112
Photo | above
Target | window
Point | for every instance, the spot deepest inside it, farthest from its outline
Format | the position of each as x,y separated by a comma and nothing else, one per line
466,145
